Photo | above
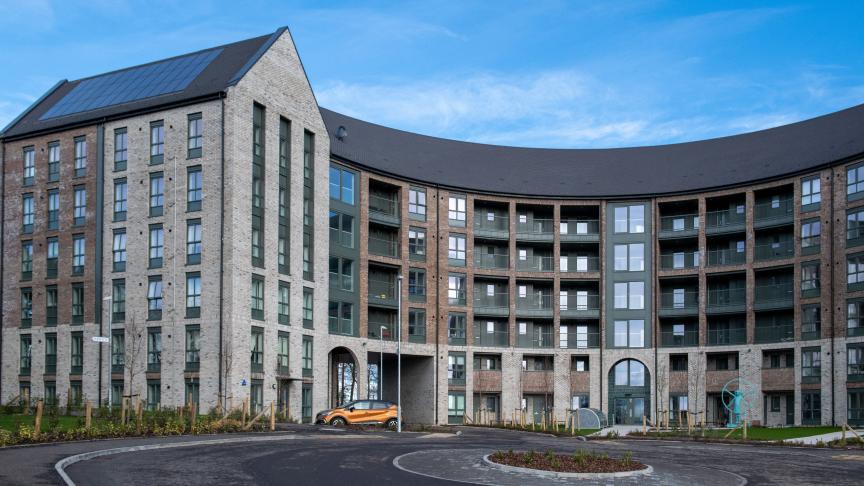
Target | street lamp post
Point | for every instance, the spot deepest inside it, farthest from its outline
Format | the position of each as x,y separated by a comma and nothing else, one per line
381,363
107,299
399,354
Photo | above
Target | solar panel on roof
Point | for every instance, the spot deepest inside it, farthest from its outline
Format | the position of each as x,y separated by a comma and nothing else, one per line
133,84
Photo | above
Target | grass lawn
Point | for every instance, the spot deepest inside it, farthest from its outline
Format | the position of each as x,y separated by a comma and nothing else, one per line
755,433
11,422
561,430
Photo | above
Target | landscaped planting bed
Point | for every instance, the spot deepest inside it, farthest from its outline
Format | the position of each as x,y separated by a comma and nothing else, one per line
581,461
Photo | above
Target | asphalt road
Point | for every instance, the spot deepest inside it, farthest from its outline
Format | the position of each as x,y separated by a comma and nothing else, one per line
307,455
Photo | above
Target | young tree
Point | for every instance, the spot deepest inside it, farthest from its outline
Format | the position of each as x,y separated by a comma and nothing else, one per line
133,361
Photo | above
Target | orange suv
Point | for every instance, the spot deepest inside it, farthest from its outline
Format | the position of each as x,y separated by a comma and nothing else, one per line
360,412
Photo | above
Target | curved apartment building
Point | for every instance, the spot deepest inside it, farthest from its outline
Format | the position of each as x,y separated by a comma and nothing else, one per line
638,281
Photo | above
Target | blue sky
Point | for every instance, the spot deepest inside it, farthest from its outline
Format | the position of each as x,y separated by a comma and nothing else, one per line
538,73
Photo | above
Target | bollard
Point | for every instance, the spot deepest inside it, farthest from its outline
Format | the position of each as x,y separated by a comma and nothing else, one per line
272,416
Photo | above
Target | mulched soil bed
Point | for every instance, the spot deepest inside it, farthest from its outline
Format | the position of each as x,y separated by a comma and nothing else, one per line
579,462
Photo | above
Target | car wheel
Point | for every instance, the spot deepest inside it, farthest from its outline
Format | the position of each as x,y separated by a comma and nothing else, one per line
338,422
391,424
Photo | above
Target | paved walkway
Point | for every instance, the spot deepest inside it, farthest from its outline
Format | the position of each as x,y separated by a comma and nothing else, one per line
620,430
814,439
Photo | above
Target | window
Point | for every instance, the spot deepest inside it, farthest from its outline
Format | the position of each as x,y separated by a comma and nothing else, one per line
811,230
417,203
53,161
80,157
257,298
306,356
630,295
157,193
810,279
456,289
306,403
193,295
417,244
342,229
630,334
579,363
121,153
51,305
855,362
118,300
811,365
193,347
340,317
76,354
119,250
456,328
157,243
154,395
157,142
579,401
80,209
455,407
456,211
307,307
629,373
307,255
416,285
193,242
855,227
26,307
678,362
257,345
154,298
120,199
456,369
26,260
77,303
53,209
191,393
194,188
27,213
810,322
456,250
50,353
195,135
52,252
308,156
29,175
284,303
282,366
854,181
342,185
854,313
258,170
810,192
154,349
630,219
78,255
630,257
417,325
342,274
855,271
50,393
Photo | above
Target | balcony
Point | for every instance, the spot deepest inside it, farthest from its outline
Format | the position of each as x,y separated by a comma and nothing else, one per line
724,221
388,331
384,246
496,336
382,291
576,338
580,230
679,226
774,213
579,264
775,333
679,339
490,225
538,337
497,304
491,261
774,296
726,256
680,303
384,209
536,263
574,304
774,251
727,336
538,381
679,260
535,230
727,301
534,305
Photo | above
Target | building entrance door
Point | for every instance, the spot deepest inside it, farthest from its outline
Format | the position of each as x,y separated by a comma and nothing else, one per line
629,410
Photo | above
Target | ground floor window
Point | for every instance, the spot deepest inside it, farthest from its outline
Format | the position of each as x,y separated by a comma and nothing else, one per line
455,408
811,408
75,394
154,395
24,394
191,393
116,393
50,393
306,403
677,403
256,396
579,401
373,382
855,407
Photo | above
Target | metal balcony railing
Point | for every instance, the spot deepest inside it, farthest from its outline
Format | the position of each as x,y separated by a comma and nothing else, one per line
580,340
681,225
382,291
534,304
492,261
495,338
579,263
539,338
724,220
721,337
679,302
774,212
774,333
384,247
726,256
679,260
536,263
537,229
672,339
773,251
491,225
774,295
579,229
574,302
496,304
727,300
383,205
388,333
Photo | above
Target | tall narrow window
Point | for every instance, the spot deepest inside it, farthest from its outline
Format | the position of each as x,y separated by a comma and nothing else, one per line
417,203
76,345
811,194
456,210
29,176
154,298
80,209
26,307
120,199
194,188
307,307
257,355
284,195
193,347
307,255
193,242
78,255
193,295
154,349
282,355
119,250
258,169
77,303
121,153
157,142
157,245
53,161
195,135
456,249
80,157
52,253
28,213
51,353
118,300
53,209
257,297
26,260
342,185
284,303
306,356
157,193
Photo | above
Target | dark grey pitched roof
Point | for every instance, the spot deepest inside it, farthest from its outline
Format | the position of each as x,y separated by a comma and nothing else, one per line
616,172
225,69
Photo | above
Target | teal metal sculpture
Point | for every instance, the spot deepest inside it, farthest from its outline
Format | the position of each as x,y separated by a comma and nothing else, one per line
737,397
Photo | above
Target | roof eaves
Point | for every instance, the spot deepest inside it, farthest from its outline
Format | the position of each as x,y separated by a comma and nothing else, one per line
32,106
252,60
